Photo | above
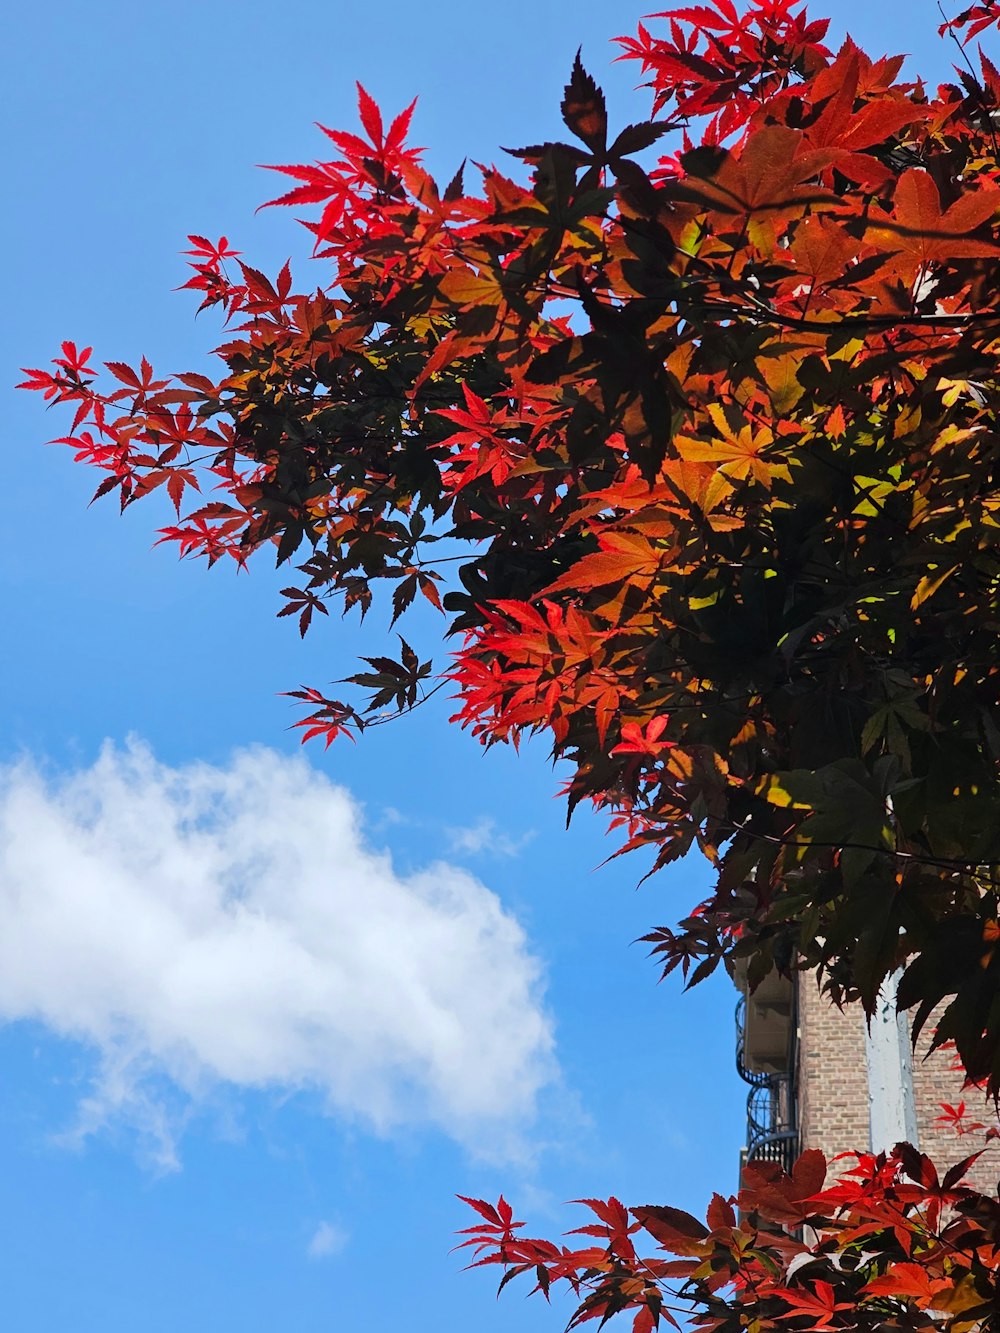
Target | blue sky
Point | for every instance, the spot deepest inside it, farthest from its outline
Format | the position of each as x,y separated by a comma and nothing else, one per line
212,1116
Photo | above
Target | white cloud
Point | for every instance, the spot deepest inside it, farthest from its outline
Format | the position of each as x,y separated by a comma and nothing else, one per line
484,838
209,927
327,1240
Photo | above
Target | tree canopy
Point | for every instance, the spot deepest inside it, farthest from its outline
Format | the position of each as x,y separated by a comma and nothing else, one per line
704,411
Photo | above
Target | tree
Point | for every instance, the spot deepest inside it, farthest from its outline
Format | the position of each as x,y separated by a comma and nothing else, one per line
890,1247
711,440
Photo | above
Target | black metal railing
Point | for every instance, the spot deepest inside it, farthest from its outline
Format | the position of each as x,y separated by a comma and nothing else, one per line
771,1132
747,1075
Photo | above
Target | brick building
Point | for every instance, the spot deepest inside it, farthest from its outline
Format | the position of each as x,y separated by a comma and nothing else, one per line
810,1070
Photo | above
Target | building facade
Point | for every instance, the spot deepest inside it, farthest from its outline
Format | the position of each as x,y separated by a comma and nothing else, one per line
813,1082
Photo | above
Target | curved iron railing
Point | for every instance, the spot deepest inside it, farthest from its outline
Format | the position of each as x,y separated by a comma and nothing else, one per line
771,1132
747,1075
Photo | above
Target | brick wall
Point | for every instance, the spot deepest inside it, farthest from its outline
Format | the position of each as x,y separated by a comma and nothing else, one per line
934,1082
832,1074
833,1089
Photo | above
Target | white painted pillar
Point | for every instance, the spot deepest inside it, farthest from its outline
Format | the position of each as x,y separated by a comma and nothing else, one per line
892,1112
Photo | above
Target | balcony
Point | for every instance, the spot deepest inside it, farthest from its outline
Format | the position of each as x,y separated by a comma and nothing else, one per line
765,1058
